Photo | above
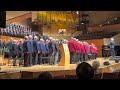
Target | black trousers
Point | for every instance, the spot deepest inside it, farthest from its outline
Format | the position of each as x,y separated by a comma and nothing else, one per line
26,59
39,58
35,58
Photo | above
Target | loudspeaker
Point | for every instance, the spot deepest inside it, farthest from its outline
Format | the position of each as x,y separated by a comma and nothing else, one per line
2,19
116,61
106,63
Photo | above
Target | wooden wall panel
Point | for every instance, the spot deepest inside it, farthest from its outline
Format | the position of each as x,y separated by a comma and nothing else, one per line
98,43
19,18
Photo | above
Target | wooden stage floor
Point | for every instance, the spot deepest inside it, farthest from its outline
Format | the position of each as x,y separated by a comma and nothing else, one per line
37,68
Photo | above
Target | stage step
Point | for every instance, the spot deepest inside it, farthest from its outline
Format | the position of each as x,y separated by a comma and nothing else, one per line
114,58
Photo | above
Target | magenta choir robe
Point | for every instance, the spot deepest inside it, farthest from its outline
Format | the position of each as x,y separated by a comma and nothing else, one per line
71,46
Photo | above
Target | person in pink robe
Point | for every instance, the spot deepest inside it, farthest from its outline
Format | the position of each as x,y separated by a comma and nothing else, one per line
86,51
93,50
72,50
82,52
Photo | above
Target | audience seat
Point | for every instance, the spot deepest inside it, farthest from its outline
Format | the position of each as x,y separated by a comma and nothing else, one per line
110,75
118,75
4,75
59,77
57,73
15,75
27,75
97,76
71,76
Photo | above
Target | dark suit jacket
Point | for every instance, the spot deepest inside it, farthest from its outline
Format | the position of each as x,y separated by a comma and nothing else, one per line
20,48
35,46
15,50
25,46
51,46
30,46
40,47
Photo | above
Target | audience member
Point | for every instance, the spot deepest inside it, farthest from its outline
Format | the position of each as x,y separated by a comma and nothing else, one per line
45,75
84,71
95,66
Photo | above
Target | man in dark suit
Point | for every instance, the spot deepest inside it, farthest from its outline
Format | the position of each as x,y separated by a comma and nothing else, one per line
51,46
1,45
30,49
35,51
10,43
46,47
40,51
15,52
112,47
20,52
56,52
25,51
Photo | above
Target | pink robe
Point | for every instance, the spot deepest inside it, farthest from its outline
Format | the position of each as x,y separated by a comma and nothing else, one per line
71,46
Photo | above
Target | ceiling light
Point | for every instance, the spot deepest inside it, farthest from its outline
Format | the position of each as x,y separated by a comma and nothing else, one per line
82,23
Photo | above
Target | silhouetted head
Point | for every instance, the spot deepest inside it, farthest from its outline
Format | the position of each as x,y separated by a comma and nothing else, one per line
84,71
45,75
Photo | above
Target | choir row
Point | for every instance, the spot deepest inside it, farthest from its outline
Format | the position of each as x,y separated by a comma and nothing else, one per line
81,51
16,30
31,51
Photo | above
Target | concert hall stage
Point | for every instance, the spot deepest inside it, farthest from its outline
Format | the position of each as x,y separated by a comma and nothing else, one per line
16,72
46,67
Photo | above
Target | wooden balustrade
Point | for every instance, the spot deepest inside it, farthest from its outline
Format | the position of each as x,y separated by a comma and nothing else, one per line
114,27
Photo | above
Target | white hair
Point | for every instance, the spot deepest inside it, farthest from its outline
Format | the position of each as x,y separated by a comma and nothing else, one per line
112,39
50,38
96,65
30,36
35,37
26,36
41,39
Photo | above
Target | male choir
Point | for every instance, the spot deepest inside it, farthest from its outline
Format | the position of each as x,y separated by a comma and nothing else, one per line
16,30
81,51
33,51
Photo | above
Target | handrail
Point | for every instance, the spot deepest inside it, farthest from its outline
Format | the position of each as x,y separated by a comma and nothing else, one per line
107,20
